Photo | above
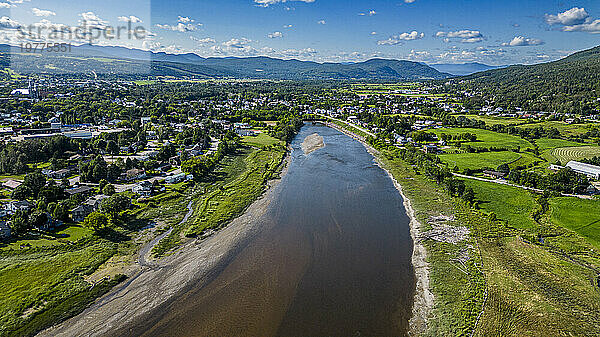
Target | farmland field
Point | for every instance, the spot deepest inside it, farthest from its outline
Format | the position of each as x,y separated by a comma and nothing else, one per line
566,154
479,161
580,216
494,120
488,139
563,128
511,204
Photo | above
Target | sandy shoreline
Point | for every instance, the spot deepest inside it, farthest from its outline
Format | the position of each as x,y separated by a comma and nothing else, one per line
423,299
151,287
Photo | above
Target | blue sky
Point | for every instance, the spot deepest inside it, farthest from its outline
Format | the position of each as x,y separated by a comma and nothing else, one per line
431,31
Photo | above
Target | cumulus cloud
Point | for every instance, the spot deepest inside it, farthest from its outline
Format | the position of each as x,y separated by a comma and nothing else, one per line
409,1
589,27
573,16
370,13
397,39
321,22
267,3
42,12
5,5
237,43
131,18
8,23
184,24
306,52
519,41
92,20
203,41
275,35
463,36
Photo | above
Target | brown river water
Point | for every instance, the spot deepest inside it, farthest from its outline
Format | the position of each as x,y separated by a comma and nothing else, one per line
333,258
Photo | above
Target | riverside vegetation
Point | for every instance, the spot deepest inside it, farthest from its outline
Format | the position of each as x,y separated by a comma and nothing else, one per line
528,267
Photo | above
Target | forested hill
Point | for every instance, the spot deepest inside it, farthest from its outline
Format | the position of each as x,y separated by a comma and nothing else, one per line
118,60
571,84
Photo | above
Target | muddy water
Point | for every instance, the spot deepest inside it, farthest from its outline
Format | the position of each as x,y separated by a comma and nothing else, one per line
333,258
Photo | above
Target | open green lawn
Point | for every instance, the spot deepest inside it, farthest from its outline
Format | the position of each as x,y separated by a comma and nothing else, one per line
579,215
511,204
551,144
262,139
527,160
67,234
479,161
36,284
488,139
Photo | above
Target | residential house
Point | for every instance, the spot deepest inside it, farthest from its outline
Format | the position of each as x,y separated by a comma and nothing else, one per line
11,184
133,174
4,229
14,206
82,189
92,204
143,188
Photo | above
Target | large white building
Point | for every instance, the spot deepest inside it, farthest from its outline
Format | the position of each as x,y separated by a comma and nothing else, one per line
592,171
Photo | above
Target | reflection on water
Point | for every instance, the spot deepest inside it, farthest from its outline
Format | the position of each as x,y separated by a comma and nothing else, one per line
333,258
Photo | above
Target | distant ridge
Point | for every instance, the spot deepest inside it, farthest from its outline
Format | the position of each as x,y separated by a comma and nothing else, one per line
84,59
463,69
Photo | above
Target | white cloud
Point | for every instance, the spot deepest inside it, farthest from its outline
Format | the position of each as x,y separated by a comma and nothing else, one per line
92,20
373,33
573,16
370,13
321,22
306,52
397,39
267,3
288,26
8,23
463,36
180,27
519,41
409,1
237,43
5,5
275,35
131,18
589,27
184,19
203,41
42,12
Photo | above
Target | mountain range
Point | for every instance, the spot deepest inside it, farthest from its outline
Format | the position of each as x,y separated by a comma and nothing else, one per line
103,60
463,68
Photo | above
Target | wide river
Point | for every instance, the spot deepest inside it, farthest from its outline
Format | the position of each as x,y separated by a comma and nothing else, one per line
333,257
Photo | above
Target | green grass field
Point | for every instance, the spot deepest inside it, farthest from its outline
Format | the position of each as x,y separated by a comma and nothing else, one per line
580,216
479,161
260,140
510,204
488,139
39,281
545,144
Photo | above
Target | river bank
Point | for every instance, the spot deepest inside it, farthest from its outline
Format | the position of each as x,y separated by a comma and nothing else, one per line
155,284
423,298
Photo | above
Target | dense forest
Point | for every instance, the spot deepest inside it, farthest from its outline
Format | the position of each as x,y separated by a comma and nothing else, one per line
570,85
